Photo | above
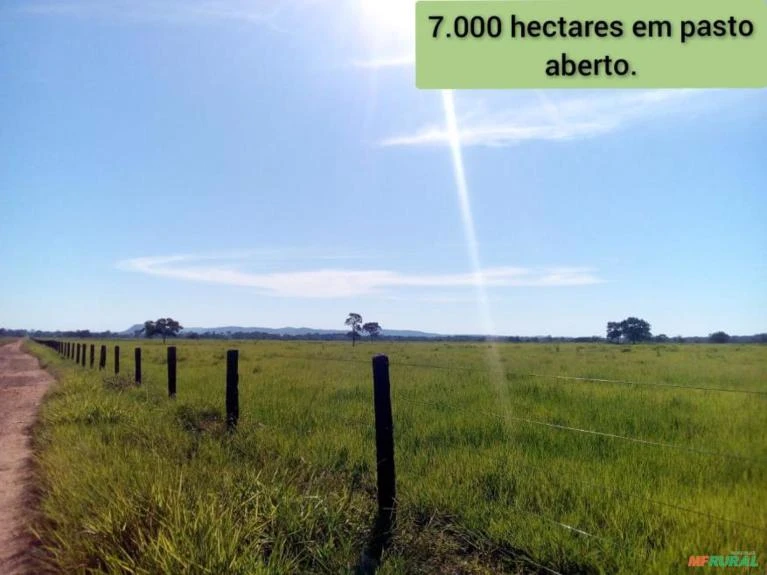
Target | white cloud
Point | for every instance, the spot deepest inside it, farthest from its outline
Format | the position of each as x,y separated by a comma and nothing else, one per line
264,12
335,283
563,118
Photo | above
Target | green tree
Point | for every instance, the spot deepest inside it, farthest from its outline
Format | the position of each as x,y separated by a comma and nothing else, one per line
164,327
148,330
632,329
635,329
372,329
719,337
614,331
354,321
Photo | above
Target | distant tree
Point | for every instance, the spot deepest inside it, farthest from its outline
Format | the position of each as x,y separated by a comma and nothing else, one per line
719,337
372,329
148,330
635,329
662,338
614,331
164,327
354,321
632,329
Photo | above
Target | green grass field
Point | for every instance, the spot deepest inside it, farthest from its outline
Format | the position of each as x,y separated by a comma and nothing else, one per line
132,482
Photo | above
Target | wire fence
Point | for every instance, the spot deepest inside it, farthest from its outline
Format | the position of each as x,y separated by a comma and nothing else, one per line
74,351
513,374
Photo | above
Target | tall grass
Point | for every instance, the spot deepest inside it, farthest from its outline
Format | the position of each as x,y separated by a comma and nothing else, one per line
133,482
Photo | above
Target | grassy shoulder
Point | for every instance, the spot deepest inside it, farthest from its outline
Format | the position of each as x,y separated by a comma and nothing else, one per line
132,482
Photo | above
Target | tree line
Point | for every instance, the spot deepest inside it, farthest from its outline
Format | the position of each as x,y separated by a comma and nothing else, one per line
617,336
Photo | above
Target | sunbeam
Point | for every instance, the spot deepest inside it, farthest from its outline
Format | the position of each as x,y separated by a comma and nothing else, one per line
469,231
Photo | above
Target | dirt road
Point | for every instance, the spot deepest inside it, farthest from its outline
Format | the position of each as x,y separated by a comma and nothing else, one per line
22,385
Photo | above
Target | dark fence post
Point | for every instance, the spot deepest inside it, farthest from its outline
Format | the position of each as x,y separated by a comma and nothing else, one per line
103,358
77,354
232,394
384,438
172,371
137,361
117,359
82,356
93,354
381,533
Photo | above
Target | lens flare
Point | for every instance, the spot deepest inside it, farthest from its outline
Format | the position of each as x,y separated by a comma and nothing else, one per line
470,234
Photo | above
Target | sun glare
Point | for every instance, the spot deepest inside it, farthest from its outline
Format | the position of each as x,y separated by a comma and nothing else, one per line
388,24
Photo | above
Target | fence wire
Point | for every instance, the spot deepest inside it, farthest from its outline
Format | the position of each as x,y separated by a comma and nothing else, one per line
616,436
513,374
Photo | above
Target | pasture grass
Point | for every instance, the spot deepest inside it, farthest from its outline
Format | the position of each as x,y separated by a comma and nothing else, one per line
133,482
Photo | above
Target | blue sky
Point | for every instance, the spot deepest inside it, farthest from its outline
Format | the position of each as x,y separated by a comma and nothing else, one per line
272,164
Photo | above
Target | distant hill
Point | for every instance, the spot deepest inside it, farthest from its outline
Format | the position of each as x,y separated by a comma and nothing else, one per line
285,331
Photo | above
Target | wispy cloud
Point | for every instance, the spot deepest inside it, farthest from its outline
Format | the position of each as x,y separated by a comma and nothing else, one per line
266,12
337,283
564,118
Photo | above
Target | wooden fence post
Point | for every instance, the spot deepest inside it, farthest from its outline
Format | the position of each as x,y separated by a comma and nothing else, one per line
103,358
384,439
172,371
137,362
232,394
93,353
117,359
82,356
77,354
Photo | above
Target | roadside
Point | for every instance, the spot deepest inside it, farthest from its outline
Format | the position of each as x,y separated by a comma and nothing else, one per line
22,386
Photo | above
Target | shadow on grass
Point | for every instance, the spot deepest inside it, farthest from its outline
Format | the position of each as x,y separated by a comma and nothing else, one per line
379,539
